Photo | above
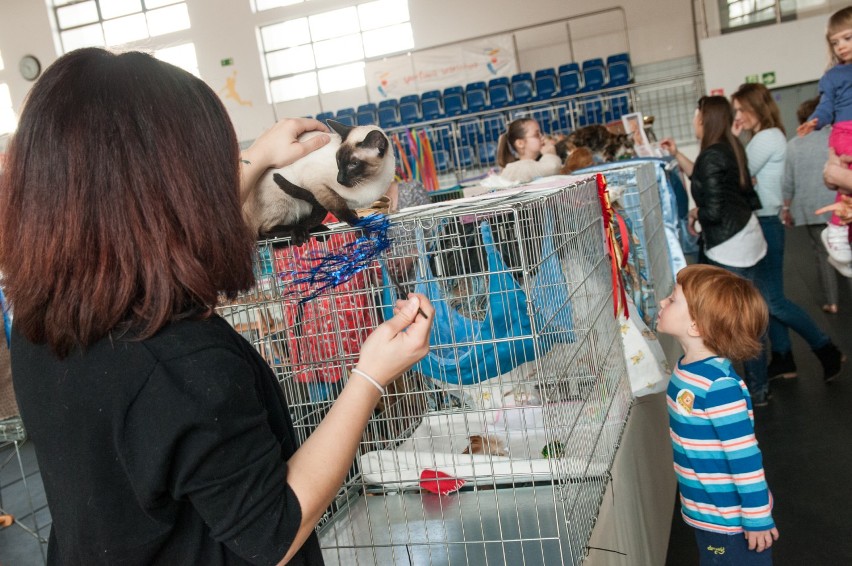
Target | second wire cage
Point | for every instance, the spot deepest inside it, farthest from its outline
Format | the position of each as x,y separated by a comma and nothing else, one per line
494,449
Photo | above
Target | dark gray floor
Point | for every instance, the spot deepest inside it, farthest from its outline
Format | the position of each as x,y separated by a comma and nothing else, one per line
804,433
806,437
17,546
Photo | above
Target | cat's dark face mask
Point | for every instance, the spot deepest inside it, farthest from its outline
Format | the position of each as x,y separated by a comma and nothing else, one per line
358,161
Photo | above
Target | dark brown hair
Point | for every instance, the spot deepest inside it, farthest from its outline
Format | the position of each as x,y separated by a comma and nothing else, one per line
119,201
756,98
805,109
729,311
506,152
717,117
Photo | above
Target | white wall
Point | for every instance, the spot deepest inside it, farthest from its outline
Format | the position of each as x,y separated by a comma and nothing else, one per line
657,31
796,51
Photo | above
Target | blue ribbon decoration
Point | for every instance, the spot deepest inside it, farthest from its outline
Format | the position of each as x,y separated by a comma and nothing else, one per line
333,269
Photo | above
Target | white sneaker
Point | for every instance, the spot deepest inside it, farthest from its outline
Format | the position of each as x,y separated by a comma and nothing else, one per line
836,241
844,269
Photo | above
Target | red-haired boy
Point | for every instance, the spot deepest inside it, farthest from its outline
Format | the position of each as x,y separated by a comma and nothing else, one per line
717,317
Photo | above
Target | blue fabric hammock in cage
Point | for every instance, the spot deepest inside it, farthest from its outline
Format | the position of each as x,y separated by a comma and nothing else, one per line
7,319
465,350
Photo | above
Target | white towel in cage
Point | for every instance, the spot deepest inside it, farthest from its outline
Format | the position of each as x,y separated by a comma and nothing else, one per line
526,432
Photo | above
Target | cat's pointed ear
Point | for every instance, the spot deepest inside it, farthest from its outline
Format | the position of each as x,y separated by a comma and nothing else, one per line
378,140
341,129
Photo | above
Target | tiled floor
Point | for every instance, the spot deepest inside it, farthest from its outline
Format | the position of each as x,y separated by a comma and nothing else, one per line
804,433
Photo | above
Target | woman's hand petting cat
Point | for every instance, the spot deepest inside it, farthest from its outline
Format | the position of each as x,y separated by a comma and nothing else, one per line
399,342
279,146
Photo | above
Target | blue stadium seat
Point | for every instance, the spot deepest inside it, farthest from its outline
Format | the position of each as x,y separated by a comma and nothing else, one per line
488,154
619,103
388,116
442,160
476,85
517,77
564,122
470,131
591,110
430,108
492,126
369,106
389,102
346,112
595,62
441,137
548,72
366,117
593,79
543,114
323,116
430,94
498,96
346,119
618,57
619,74
453,101
477,99
569,67
409,110
522,92
545,87
454,90
464,156
498,81
569,83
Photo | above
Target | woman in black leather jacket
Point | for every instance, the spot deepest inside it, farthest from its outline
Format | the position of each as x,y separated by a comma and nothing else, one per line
725,203
721,188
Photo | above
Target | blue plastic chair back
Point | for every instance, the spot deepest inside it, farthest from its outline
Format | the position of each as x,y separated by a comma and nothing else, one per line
498,94
498,81
430,94
365,117
595,62
389,102
431,108
453,103
388,117
545,87
548,72
409,112
522,91
569,68
477,100
593,79
569,83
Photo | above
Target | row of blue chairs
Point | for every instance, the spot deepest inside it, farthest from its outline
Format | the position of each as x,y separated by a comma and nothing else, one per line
471,141
499,92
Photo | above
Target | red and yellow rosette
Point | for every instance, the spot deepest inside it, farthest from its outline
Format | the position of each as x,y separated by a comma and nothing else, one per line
616,251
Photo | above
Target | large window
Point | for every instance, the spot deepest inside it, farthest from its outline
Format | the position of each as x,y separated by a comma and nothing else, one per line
326,52
106,23
750,13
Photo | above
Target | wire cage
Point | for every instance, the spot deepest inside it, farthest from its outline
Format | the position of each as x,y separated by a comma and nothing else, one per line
635,190
496,447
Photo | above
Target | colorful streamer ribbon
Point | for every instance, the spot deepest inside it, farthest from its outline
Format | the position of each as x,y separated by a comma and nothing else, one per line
617,252
332,269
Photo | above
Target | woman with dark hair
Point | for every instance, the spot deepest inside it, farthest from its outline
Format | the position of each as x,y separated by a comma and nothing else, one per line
757,113
162,435
725,204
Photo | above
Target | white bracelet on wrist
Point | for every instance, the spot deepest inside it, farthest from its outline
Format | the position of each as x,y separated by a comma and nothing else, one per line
375,383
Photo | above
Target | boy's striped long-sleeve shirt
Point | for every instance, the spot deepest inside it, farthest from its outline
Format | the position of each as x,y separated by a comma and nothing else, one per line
718,465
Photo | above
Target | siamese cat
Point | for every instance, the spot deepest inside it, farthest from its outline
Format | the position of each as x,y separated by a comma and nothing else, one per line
351,171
